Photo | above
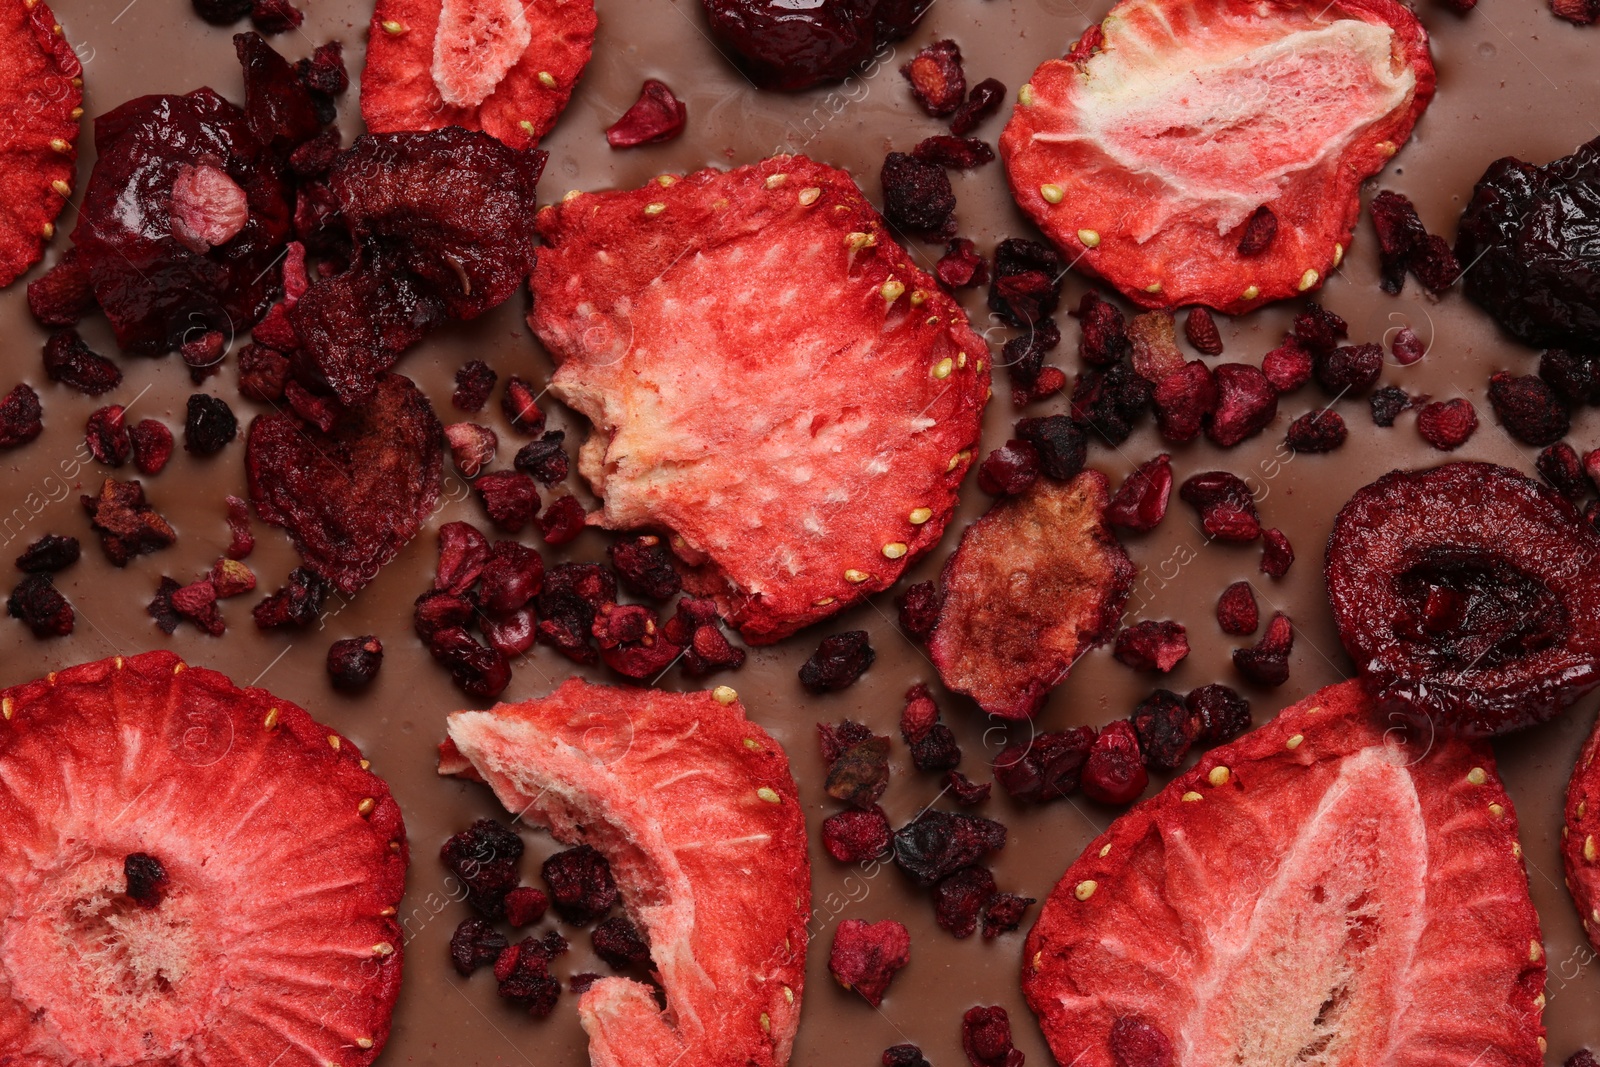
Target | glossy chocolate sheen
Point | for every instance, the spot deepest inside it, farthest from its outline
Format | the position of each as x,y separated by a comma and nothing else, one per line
1512,79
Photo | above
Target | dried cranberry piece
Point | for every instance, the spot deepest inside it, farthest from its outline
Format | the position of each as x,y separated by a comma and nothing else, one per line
511,634
645,566
1447,424
263,372
1184,400
984,100
1317,431
477,670
967,792
1046,767
63,294
1141,502
1246,403
958,153
1574,375
1351,368
127,524
474,383
1152,646
520,404
919,715
152,444
21,417
937,80
1277,555
911,1056
275,16
959,900
1060,442
1267,663
617,941
160,607
354,661
566,606
107,437
197,603
865,956
1110,402
562,521
1226,506
853,836
919,610
298,603
241,542
522,973
1288,366
1009,470
630,642
1399,231
1561,467
525,905
69,361
1223,713
512,575
50,553
475,943
1114,772
1528,408
861,773
838,661
986,1038
1406,347
1434,264
208,425
1201,330
1259,232
1583,1057
917,196
936,844
1027,281
472,447
37,603
1319,329
581,886
544,460
510,498
1003,914
485,857
324,72
655,117
463,550
936,750
1103,339
1387,404
436,611
961,265
1166,727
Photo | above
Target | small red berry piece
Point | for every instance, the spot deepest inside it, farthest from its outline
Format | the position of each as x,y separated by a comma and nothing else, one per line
107,437
1259,232
21,417
1277,555
354,661
1237,613
1224,714
581,886
984,100
919,610
40,607
1114,772
1141,502
1387,404
63,294
1152,646
1446,424
655,117
297,603
1528,408
474,382
936,844
475,943
1267,663
1009,470
1201,330
1226,506
69,361
986,1038
959,900
526,905
1166,726
1560,466
645,566
544,460
152,444
1288,366
1060,442
520,404
463,550
917,196
1184,400
231,578
618,942
854,836
1348,369
472,447
865,956
1319,329
241,541
146,879
1406,347
1154,336
510,498
967,792
957,153
838,661
1246,403
208,426
1046,766
937,80
961,265
562,521
1317,431
50,553
911,1056
1003,914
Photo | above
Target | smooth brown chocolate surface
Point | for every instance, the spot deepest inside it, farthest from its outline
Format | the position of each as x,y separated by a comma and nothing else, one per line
1512,80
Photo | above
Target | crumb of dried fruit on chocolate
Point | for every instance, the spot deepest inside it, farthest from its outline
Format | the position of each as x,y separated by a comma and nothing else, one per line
870,434
1032,585
128,525
1152,645
656,116
1267,662
865,956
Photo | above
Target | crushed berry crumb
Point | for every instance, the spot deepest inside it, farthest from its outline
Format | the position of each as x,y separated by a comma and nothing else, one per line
961,265
986,1038
1387,404
544,460
581,886
474,383
485,857
1317,431
146,879
1003,914
562,521
984,100
1277,555
1141,501
68,360
50,553
967,792
526,905
917,196
645,566
1225,504
938,82
39,606
1166,727
838,661
919,610
510,498
21,417
618,942
1114,772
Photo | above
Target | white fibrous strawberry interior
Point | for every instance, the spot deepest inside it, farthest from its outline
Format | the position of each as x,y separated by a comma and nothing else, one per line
478,42
1311,970
1220,118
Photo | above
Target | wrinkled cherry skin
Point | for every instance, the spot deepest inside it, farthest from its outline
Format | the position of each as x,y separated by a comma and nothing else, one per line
1466,596
787,46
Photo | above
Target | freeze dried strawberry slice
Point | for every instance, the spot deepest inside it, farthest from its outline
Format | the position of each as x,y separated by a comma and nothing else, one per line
1309,886
41,86
1580,837
858,382
351,498
696,811
501,66
1147,151
244,917
1035,583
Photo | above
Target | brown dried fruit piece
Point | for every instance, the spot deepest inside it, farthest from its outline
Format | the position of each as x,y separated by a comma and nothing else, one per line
127,524
350,498
1034,583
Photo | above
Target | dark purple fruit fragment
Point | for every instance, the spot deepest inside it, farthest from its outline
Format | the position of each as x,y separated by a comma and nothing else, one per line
618,942
63,294
957,153
784,47
475,943
1225,504
1103,339
645,566
208,426
917,196
838,661
145,878
1166,727
1110,402
39,606
1573,374
474,382
69,361
1003,914
959,900
522,974
1141,501
937,80
1237,612
1223,713
485,857
986,1038
1561,466
1348,369
354,661
1046,766
1267,663
1528,408
1246,403
1322,430
1114,772
1387,404
21,417
581,886
127,524
1277,554
510,498
967,792
1060,442
1152,645
298,603
106,436
909,1056
961,265
50,553
1027,281
919,610
936,844
544,460
984,100
1009,469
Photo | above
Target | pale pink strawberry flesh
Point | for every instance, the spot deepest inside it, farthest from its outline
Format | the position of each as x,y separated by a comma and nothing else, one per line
478,42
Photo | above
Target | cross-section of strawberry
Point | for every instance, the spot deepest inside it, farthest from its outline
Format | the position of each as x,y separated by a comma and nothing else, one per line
41,86
501,66
695,810
193,874
1211,152
770,379
1580,837
1303,895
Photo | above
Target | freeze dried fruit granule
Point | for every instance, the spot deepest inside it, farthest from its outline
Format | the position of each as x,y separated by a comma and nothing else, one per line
1288,366
478,670
984,100
959,899
1166,726
506,70
62,295
106,436
69,361
1009,469
1267,662
522,974
1246,403
904,1056
644,566
1223,713
208,425
1035,582
1226,506
1060,442
231,578
475,943
544,460
1152,646
933,745
865,956
917,196
936,844
36,602
1140,502
1045,767
986,1038
127,524
562,521
854,836
581,886
838,662
1114,772
354,661
275,16
967,792
350,498
617,941
836,739
1319,329
526,905
463,551
241,542
1103,339
793,48
655,117
1399,231
957,153
519,402
1447,424
918,609
263,373
961,265
1387,404
1023,357
21,417
1406,347
298,603
146,879
512,575
41,89
937,81
1003,914
1154,337
50,553
197,603
1277,555
472,447
160,607
1317,431
1528,408
1560,466
914,388
1201,330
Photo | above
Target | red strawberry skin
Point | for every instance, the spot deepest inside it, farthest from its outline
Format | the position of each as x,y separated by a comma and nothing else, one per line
1580,837
1093,159
769,377
40,87
1314,883
285,857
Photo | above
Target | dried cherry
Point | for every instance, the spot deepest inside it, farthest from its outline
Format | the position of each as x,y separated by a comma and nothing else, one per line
1528,408
1166,727
69,361
959,900
1114,772
1141,501
1045,767
1267,663
1152,645
838,661
936,844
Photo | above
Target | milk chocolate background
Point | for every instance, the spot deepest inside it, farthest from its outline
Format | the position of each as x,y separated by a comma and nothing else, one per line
1512,80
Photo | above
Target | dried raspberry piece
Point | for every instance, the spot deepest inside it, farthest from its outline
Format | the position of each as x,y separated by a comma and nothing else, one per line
434,612
917,196
959,900
475,943
1226,506
838,661
241,542
208,425
1046,767
919,610
1560,466
40,607
957,153
544,460
984,100
655,117
197,603
324,71
967,792
297,603
1288,366
1351,368
1184,401
127,524
986,1038
485,857
1023,358
562,521
645,566
522,974
160,607
836,739
510,498
1166,727
865,956
1319,329
1399,230
1009,470
354,661
1434,264
617,941
1237,613
1387,404
936,844
1154,337
511,634
1114,772
937,81
526,905
520,405
463,551
1110,402
1447,424
1574,375
961,265
50,553
567,604
1246,403
107,437
1152,646
860,774
1277,555
21,417
1267,663
1104,334
474,383
1528,408
1141,502
1027,281
1201,330
472,447
69,361
854,836
911,1056
1223,713
1060,443
581,886
63,294
1407,348
1004,913
1317,431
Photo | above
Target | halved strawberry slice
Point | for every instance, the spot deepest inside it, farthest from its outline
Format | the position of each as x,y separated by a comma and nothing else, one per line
41,88
1211,152
770,378
501,66
1580,836
192,874
696,810
1303,895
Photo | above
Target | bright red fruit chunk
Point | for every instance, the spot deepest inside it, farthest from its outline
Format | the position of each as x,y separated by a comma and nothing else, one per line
936,77
1226,506
655,117
853,836
1114,772
1246,403
1141,501
1152,646
865,956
